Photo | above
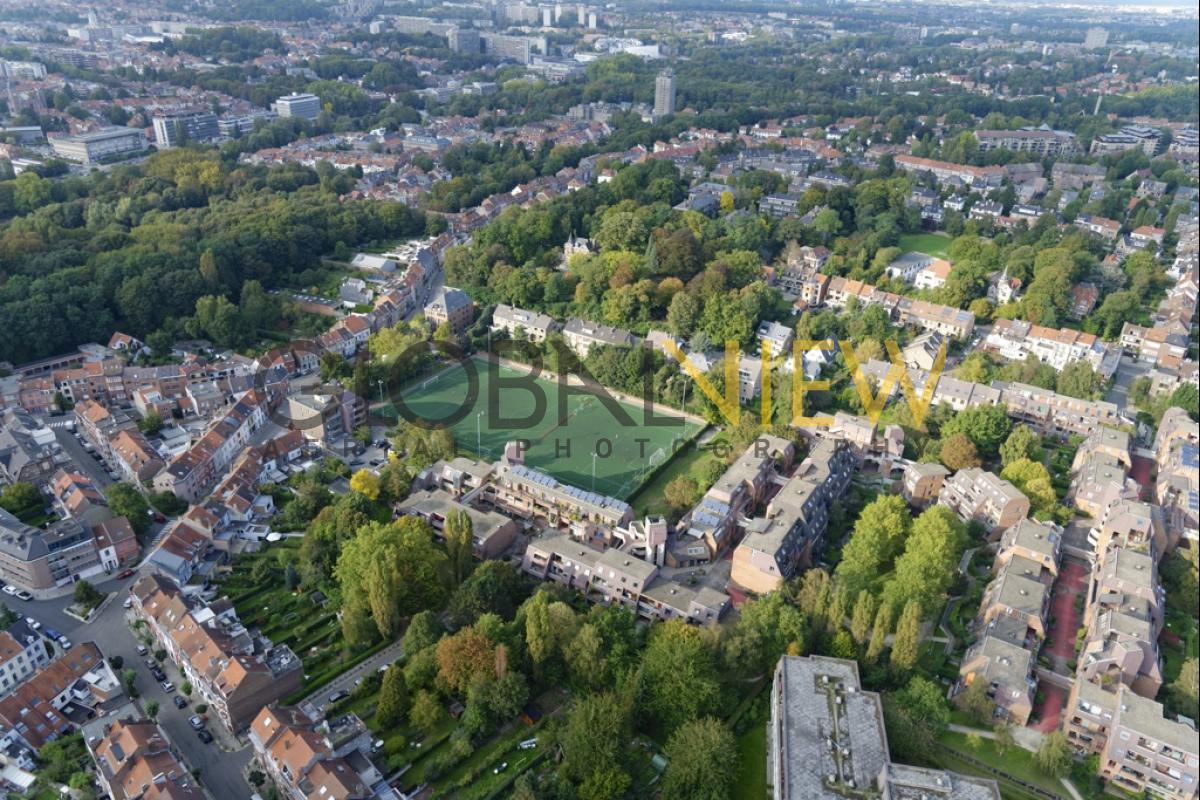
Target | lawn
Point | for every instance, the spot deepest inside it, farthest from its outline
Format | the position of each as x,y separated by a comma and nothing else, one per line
595,443
1015,763
752,768
933,244
691,461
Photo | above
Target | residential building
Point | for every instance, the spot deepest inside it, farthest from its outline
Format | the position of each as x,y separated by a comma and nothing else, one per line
232,669
44,558
664,94
582,336
135,761
106,144
923,482
1130,137
1016,340
491,533
36,711
1043,141
308,757
527,492
948,173
1177,482
191,474
29,451
195,125
977,495
1020,592
23,652
519,323
1001,659
777,545
452,307
826,740
1140,749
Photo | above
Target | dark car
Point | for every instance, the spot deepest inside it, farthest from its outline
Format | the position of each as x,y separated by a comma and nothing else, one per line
125,573
159,675
205,736
338,696
180,702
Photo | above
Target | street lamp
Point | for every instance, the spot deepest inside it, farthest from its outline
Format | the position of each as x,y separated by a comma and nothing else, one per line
478,443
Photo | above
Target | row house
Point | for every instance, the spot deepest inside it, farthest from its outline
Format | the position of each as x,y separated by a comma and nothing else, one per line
181,552
99,425
1016,340
530,493
307,757
1133,523
191,474
1002,661
23,652
946,320
234,670
1050,412
135,458
1141,750
981,496
135,761
1099,472
1162,345
116,543
948,173
42,708
77,497
778,544
1021,592
1106,229
615,577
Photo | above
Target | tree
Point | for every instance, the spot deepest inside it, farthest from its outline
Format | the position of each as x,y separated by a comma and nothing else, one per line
596,728
495,587
768,627
863,617
986,426
906,644
878,536
124,500
915,716
975,703
20,498
702,762
929,563
393,698
1023,442
549,626
1004,738
1053,755
87,595
151,424
463,658
681,494
1078,379
426,712
388,572
1185,689
842,646
1033,480
366,483
679,676
460,547
152,709
958,452
880,631
423,631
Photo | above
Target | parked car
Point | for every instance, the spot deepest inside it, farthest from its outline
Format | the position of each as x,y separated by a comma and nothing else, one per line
127,603
168,687
10,590
180,702
125,573
141,650
205,736
33,623
24,595
196,721
338,696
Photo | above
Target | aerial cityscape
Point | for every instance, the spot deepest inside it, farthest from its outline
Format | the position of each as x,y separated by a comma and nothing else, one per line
641,400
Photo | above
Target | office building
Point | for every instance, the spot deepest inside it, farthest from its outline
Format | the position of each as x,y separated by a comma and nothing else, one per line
304,106
106,144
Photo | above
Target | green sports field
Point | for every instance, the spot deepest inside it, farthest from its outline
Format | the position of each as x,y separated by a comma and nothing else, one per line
562,437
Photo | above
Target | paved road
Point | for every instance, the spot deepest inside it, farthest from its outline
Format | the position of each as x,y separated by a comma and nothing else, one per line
320,698
1129,370
220,771
84,461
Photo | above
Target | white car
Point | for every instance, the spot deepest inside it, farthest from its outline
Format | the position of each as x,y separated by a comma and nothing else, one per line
10,590
168,687
33,623
24,595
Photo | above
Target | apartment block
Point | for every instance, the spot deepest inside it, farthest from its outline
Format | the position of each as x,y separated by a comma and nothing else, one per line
44,558
777,545
106,144
452,307
135,761
304,106
948,173
582,336
42,708
491,533
1043,141
23,652
923,482
977,495
826,740
527,492
1002,659
519,323
1016,340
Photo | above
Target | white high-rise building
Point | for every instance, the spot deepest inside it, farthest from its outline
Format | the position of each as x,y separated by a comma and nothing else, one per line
664,94
305,106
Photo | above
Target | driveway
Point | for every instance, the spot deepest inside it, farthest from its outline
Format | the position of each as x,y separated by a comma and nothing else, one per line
346,681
